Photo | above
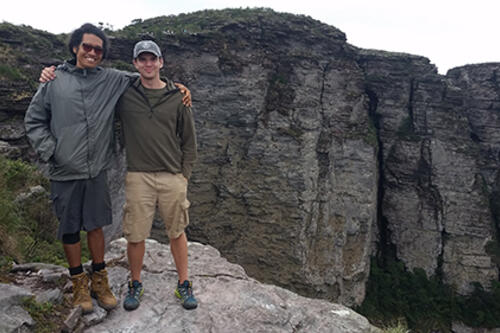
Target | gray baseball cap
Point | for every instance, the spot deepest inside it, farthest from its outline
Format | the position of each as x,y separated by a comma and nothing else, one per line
146,46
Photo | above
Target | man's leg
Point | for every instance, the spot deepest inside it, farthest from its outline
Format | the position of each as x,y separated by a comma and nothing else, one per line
73,254
173,206
100,285
179,249
141,196
95,240
80,280
97,213
135,254
184,290
67,197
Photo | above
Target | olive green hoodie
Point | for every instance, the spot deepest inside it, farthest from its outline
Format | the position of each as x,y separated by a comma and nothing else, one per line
159,136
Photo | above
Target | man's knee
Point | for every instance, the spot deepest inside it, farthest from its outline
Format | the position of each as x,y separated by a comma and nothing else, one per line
95,231
139,243
177,237
71,238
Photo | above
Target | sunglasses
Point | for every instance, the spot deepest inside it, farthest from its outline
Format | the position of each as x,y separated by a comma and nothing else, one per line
87,48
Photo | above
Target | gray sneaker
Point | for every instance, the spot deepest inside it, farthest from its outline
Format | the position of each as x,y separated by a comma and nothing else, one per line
133,298
184,292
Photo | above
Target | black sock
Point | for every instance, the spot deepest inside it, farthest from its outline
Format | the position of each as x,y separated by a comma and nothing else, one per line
75,270
98,267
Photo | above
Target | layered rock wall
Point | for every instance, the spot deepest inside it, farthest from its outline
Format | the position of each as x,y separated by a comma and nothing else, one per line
286,183
438,176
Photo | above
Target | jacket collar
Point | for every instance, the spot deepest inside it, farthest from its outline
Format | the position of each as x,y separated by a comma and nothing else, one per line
138,85
70,67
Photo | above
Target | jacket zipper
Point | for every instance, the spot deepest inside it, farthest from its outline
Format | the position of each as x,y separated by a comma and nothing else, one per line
151,108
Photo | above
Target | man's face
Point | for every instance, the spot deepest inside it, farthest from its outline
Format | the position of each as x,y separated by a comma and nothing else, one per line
89,52
148,65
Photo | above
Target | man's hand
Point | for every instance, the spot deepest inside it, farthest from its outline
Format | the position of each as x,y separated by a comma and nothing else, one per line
187,94
48,74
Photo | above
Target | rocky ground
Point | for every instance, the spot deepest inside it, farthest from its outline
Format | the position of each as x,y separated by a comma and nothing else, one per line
229,301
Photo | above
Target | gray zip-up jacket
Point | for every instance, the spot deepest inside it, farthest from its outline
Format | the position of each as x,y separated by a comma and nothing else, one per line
70,120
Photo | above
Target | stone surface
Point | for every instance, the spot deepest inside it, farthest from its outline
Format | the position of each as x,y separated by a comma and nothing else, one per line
53,296
72,319
9,132
35,267
34,191
229,300
13,318
438,180
9,151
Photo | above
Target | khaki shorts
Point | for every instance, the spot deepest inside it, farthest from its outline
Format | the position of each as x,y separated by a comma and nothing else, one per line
143,191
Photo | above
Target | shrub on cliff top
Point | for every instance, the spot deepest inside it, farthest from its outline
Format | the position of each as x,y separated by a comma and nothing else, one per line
27,227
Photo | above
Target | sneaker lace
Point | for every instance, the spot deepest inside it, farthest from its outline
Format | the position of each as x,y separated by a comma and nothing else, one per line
103,281
80,289
133,290
102,284
185,291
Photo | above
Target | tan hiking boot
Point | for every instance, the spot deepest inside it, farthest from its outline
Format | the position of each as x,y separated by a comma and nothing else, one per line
100,290
81,294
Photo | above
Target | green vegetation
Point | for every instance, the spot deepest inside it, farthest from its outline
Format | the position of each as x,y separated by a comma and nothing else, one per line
9,73
21,49
124,66
493,249
197,22
398,328
28,226
293,131
407,130
371,135
426,304
42,314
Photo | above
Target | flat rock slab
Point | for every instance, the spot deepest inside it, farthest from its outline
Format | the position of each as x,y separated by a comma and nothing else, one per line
229,301
13,318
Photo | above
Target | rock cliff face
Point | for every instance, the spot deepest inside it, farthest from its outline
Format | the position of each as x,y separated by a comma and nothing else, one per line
286,183
439,162
316,155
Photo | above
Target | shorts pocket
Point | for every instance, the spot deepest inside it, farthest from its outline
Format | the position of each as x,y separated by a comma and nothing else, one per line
185,204
57,206
126,220
185,212
180,220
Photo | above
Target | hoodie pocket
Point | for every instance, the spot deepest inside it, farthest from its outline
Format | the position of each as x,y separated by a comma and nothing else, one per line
70,154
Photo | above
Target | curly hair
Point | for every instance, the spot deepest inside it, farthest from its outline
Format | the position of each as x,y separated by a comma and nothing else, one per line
87,28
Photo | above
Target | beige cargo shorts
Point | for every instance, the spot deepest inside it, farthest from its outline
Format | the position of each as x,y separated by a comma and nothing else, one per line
143,192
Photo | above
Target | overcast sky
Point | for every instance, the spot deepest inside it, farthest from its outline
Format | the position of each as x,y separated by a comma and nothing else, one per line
449,32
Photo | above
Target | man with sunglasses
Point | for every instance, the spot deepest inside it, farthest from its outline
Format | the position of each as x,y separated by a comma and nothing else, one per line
70,124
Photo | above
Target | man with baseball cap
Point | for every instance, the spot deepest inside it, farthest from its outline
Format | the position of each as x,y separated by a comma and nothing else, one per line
160,143
146,46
